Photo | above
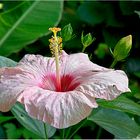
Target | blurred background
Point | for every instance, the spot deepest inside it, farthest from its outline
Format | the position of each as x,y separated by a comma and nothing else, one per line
25,31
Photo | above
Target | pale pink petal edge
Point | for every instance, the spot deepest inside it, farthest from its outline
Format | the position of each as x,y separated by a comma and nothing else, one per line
60,110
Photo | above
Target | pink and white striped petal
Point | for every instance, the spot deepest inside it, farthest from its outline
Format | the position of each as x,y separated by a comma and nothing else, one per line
105,85
78,65
60,110
10,87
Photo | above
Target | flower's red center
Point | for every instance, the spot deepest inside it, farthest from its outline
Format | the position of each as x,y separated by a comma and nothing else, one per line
68,83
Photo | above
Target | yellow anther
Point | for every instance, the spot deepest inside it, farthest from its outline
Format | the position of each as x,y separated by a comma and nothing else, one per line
55,41
51,40
59,40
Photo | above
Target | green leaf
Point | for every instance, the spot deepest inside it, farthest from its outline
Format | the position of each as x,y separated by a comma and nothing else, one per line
2,133
8,5
121,104
35,126
5,118
29,135
91,12
12,132
128,8
26,23
115,122
137,74
135,89
95,12
133,65
6,62
138,13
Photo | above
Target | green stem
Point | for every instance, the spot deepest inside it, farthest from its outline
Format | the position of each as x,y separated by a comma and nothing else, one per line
83,50
99,133
68,132
113,63
63,133
45,129
78,129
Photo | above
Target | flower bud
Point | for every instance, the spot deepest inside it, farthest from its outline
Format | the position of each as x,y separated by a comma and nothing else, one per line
122,48
1,5
67,32
87,40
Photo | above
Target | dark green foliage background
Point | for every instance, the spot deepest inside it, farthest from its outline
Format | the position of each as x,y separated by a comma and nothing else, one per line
107,21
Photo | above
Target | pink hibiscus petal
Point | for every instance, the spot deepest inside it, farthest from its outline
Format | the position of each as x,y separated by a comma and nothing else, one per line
78,65
59,110
105,85
10,89
38,70
36,66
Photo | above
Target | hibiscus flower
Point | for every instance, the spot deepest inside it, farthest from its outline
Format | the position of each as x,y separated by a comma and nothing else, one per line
61,97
